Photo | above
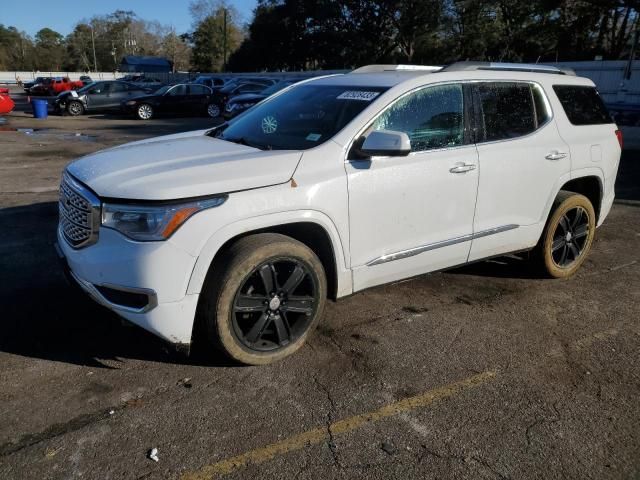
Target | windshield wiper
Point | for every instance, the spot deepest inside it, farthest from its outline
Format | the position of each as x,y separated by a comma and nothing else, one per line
244,141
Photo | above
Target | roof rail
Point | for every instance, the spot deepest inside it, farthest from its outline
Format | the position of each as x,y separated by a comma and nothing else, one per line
513,67
396,68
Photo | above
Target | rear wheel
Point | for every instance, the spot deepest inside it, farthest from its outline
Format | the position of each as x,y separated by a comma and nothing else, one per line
262,305
75,108
144,111
568,236
213,110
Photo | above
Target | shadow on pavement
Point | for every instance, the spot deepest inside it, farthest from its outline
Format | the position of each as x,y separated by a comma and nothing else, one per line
45,317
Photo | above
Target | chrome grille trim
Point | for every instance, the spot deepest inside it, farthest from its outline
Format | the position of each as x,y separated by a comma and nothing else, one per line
79,211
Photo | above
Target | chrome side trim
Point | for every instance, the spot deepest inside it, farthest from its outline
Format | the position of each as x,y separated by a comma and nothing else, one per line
95,294
444,243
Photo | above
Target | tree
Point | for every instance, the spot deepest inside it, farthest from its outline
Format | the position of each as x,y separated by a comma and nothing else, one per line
49,50
215,37
176,49
16,49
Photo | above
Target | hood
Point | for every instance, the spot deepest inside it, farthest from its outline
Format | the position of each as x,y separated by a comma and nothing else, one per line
247,97
183,165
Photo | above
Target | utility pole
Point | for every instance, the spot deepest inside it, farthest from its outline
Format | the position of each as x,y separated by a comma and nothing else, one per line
93,44
224,40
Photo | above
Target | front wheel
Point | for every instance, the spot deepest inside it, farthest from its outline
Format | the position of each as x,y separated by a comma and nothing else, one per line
144,111
568,235
75,108
264,302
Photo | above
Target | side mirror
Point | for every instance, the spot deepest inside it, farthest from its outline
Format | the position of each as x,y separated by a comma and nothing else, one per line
95,90
387,143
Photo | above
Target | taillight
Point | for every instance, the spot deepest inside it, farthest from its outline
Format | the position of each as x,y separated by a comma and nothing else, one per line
619,137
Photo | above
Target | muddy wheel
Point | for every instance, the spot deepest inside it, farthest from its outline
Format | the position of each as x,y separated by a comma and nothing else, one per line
568,235
262,304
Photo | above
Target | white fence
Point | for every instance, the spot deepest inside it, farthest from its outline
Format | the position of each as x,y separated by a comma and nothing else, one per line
13,77
607,75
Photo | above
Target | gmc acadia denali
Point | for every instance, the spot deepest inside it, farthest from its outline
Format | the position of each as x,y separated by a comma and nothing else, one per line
238,234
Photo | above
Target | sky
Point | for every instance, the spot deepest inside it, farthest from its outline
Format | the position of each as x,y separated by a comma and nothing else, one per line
62,16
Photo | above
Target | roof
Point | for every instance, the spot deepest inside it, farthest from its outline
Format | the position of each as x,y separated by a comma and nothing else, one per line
145,61
386,79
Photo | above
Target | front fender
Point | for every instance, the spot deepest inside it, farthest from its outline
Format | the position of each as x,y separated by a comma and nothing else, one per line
226,233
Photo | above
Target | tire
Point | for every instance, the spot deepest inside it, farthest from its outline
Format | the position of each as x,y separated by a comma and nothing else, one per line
75,108
267,328
567,237
144,111
213,110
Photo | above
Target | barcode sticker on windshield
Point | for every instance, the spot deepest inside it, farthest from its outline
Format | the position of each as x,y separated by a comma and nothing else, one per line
357,95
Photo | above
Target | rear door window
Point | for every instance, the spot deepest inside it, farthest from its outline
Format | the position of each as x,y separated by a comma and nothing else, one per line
198,90
506,110
582,104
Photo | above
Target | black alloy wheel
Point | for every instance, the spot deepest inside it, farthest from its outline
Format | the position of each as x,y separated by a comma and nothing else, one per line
275,305
570,237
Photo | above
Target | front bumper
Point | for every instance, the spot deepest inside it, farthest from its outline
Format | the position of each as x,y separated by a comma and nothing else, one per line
116,268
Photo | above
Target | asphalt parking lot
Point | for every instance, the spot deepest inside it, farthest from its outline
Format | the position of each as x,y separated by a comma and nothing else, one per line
482,372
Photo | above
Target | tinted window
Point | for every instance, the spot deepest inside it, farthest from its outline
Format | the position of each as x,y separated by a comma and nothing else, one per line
432,117
300,118
249,87
582,105
178,90
506,109
198,90
118,87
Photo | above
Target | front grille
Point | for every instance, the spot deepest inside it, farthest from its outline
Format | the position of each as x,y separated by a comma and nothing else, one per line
79,213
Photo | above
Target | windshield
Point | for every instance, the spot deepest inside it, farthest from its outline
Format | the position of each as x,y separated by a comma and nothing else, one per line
87,87
163,90
301,118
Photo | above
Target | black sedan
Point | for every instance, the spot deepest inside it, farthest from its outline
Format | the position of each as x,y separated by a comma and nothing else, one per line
238,104
222,96
98,96
27,85
180,99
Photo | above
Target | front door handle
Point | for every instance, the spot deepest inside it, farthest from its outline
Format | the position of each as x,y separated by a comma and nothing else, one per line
462,168
555,155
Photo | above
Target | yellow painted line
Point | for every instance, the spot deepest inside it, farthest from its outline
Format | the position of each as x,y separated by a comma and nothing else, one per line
319,435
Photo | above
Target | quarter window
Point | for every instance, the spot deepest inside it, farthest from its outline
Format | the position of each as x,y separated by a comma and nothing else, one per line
507,110
432,117
582,104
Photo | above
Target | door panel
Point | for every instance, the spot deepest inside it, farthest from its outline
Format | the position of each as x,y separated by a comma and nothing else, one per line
414,214
518,175
175,100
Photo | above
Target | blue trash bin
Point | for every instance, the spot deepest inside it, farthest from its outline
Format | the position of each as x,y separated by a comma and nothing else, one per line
39,108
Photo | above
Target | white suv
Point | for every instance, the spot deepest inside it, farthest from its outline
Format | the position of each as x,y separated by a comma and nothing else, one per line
237,235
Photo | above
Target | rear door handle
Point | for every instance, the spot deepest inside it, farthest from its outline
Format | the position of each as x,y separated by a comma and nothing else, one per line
555,155
462,168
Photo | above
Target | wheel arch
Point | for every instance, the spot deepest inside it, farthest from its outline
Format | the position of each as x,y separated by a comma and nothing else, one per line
312,231
589,185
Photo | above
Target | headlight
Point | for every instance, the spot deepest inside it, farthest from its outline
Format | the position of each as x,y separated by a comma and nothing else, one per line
152,222
131,102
